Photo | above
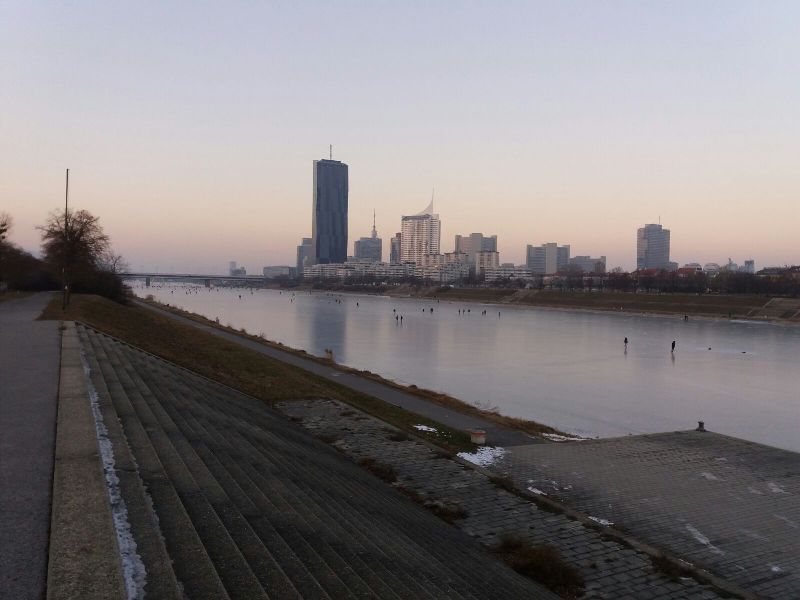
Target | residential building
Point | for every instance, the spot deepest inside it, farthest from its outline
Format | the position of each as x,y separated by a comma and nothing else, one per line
420,234
394,249
547,259
432,260
475,242
749,266
485,259
508,271
369,249
652,247
587,264
329,212
304,254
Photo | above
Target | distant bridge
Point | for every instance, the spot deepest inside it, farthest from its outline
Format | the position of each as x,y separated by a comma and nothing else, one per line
206,279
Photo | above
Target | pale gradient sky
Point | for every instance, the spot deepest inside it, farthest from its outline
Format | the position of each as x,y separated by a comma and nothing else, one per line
190,128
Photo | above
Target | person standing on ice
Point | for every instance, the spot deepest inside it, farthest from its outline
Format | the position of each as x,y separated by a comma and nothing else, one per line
673,346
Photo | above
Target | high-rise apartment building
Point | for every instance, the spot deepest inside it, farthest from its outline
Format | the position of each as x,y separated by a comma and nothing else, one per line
369,248
329,212
304,254
547,259
475,242
394,249
652,247
420,234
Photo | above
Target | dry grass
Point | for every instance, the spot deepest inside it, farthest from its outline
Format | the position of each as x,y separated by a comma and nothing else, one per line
504,482
446,510
231,364
379,469
541,563
670,568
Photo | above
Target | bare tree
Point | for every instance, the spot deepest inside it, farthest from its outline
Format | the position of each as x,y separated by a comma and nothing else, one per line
74,244
6,222
113,263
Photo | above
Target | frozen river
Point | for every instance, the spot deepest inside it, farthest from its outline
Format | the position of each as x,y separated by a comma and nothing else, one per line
568,369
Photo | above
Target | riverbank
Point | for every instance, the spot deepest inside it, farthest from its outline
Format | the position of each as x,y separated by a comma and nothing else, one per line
527,426
273,380
745,306
715,306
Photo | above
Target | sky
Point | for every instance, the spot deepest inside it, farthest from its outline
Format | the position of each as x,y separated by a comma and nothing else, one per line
190,128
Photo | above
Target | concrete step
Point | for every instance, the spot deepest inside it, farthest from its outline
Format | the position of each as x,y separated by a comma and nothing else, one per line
191,563
400,541
161,581
363,557
419,587
339,558
228,539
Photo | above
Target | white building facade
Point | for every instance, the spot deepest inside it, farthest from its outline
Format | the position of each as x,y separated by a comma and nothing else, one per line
420,234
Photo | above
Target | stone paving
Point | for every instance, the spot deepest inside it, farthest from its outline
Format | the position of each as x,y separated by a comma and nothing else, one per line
609,568
728,505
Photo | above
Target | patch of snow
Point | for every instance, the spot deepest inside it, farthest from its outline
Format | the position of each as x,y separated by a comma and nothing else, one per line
753,490
555,437
709,476
484,457
605,522
133,569
537,491
775,488
703,539
425,428
775,569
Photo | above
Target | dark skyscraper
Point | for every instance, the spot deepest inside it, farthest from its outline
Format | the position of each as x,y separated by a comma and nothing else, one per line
329,224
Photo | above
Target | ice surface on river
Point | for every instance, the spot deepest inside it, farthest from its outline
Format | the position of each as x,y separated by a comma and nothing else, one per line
564,368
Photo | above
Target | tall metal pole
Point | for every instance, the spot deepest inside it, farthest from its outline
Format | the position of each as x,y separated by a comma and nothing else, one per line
65,291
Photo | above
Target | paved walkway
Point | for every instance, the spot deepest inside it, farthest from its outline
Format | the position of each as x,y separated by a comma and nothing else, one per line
728,505
495,434
29,361
610,569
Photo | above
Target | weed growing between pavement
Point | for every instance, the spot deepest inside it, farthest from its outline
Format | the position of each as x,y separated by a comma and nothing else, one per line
541,563
379,469
446,510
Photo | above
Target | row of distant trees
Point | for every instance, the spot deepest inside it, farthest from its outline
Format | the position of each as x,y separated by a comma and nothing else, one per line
76,257
726,282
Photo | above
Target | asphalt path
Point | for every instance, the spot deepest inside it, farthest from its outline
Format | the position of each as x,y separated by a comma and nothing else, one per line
29,364
496,435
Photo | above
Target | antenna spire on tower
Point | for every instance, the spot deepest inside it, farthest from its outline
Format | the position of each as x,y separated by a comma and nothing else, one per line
374,229
330,149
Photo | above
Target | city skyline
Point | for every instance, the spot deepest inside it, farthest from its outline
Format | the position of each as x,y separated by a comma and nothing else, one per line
539,122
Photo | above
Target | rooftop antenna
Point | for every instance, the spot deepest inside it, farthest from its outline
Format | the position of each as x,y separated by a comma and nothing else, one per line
374,230
330,149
